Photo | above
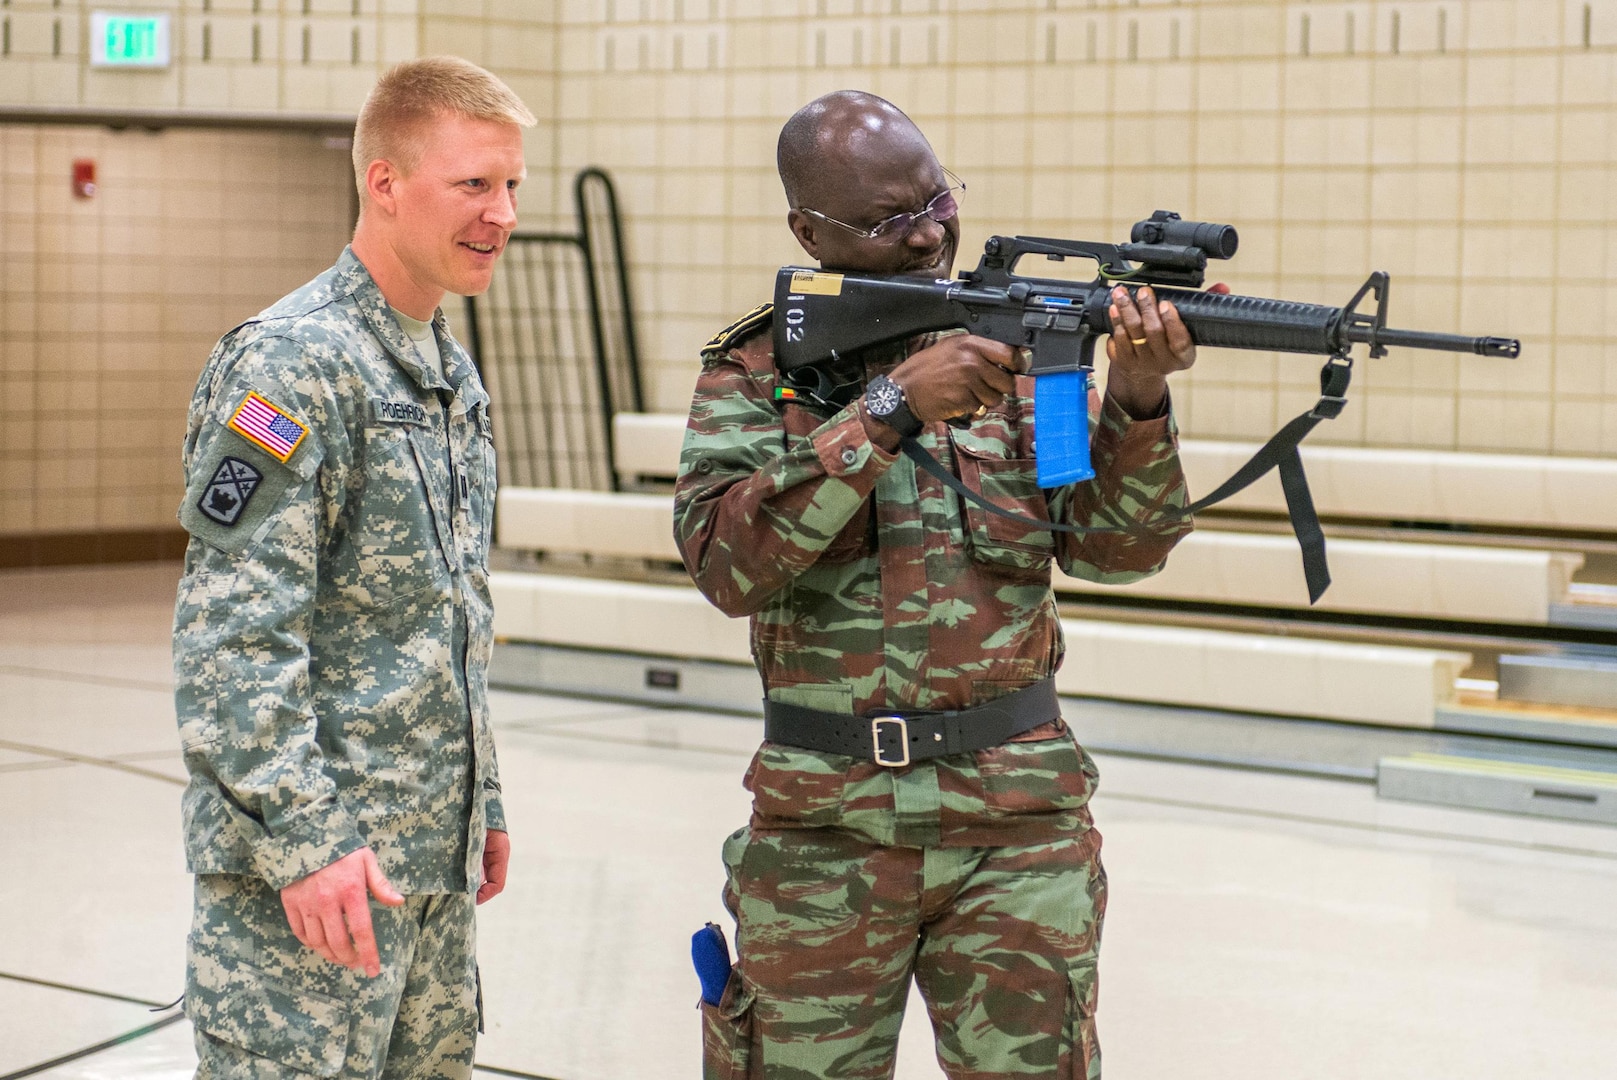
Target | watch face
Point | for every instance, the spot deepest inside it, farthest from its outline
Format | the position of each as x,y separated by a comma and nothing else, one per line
884,397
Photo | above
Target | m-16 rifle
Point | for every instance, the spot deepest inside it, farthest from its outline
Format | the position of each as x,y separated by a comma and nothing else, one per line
821,316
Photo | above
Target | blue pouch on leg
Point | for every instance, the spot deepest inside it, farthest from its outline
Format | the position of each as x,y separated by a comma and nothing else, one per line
710,952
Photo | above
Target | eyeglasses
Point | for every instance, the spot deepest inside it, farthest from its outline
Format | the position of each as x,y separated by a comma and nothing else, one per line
941,208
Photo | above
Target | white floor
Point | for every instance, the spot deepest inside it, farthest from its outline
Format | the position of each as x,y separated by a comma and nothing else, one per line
1260,926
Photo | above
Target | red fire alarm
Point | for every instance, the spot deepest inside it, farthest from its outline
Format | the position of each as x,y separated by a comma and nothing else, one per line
84,178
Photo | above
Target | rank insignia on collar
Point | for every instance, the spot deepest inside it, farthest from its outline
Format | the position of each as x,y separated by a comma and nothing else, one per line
226,495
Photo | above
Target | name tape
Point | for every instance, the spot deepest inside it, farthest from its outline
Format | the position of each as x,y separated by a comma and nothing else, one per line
398,412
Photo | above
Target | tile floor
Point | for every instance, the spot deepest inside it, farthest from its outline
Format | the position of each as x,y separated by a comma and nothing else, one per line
1261,925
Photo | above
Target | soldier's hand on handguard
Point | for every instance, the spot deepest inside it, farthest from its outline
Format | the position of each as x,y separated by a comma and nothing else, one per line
1148,343
958,376
329,911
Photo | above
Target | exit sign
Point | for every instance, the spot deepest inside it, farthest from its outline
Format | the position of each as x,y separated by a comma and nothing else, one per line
128,41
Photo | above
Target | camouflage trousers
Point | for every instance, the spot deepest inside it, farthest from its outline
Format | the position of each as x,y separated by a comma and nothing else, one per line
264,1006
830,929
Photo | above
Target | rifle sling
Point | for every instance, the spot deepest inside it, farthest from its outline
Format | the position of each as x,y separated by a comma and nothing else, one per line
1279,453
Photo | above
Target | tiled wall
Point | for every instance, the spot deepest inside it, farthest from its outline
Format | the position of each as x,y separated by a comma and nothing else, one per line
307,58
111,304
302,56
1466,146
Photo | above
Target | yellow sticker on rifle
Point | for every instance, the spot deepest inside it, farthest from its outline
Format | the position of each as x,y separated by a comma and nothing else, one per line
810,283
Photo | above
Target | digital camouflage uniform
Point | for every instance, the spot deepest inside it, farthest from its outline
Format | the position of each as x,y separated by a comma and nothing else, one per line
331,645
872,588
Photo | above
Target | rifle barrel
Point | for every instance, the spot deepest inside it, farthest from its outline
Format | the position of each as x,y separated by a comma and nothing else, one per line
1421,339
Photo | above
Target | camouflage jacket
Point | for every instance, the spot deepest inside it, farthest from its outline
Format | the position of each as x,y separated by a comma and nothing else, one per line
333,626
872,586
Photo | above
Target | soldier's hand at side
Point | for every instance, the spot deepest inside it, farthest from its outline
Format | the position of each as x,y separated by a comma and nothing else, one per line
329,911
496,854
957,376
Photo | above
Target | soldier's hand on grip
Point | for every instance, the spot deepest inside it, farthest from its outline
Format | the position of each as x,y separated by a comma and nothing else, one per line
957,376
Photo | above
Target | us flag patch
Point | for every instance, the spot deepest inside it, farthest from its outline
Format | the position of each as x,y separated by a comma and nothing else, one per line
267,426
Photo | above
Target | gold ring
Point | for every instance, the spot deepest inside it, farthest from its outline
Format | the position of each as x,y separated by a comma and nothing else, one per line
1136,341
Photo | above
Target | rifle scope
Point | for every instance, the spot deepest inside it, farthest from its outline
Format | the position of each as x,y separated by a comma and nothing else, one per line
1167,228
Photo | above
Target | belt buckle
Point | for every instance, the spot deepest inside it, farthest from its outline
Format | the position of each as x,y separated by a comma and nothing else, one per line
904,736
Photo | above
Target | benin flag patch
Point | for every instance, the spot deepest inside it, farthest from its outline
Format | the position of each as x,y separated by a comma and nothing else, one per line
266,425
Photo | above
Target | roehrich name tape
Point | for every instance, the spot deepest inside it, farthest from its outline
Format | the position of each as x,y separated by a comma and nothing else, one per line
398,412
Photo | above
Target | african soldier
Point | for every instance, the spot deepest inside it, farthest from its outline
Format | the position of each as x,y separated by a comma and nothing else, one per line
919,806
332,632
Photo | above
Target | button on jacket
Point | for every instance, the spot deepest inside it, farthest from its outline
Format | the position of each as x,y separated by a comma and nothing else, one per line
874,587
333,627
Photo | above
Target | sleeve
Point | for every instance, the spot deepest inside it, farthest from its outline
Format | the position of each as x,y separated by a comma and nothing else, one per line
265,466
1138,478
749,513
493,801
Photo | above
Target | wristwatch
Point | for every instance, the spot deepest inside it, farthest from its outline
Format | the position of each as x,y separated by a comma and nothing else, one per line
885,400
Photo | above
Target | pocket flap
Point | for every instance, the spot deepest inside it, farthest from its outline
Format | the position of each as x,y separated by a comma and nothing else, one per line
736,1002
1084,987
978,448
1010,483
240,1005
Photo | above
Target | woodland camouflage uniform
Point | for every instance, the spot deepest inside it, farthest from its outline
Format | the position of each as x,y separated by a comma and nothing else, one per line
332,637
872,587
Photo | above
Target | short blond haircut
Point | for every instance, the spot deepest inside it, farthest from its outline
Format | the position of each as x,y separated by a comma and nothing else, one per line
410,96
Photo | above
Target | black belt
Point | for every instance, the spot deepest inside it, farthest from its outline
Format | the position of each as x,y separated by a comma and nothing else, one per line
896,738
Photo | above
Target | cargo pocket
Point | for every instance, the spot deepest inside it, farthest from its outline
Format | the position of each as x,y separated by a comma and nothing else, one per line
1011,484
795,786
727,1033
1042,777
240,1005
1080,1049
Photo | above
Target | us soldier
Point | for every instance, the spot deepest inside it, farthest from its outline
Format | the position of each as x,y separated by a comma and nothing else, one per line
919,806
332,631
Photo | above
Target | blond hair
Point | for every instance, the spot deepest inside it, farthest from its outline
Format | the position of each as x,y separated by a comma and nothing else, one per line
408,97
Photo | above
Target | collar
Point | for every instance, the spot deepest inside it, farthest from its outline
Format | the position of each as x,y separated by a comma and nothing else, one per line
354,279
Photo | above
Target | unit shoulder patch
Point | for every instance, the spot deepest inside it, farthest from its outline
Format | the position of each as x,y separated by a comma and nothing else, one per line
753,322
268,426
227,494
235,486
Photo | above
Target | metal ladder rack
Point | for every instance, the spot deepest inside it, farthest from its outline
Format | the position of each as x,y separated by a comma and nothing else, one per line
554,341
